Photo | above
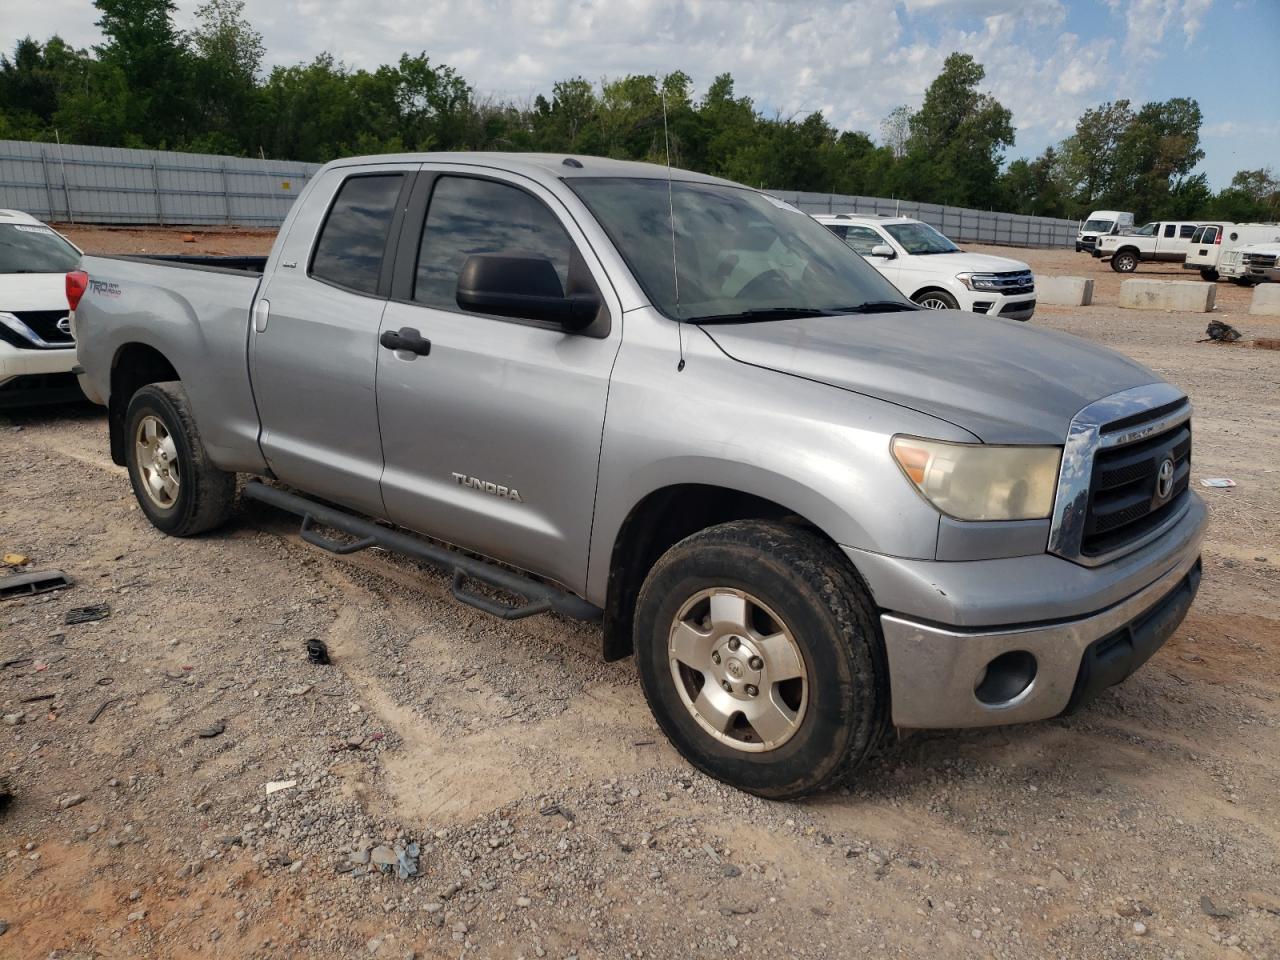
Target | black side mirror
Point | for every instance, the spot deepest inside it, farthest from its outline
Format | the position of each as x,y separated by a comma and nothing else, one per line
524,287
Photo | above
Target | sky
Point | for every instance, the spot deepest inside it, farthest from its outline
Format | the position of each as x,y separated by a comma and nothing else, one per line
854,60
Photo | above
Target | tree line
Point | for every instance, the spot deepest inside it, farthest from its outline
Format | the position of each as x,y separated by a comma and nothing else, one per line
150,85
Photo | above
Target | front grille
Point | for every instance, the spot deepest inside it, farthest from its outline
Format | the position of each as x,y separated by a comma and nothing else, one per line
1013,282
1022,306
1265,260
1124,497
43,324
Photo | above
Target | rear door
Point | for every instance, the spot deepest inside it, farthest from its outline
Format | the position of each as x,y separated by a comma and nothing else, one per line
492,438
314,341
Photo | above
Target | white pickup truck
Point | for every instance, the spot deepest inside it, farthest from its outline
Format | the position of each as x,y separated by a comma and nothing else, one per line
1162,241
933,271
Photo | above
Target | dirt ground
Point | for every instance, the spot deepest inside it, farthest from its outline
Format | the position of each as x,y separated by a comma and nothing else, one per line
553,819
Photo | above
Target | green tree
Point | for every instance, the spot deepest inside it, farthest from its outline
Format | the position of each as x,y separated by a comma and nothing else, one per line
143,45
1089,157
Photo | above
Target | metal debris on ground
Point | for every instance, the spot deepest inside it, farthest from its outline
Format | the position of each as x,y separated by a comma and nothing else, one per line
403,858
317,652
1221,332
97,713
1217,482
32,582
213,730
14,559
97,611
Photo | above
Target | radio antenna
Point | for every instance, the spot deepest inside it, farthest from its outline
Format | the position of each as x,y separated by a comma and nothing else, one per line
671,212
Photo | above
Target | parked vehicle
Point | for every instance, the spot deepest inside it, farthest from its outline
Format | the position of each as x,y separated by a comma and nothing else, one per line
810,508
1252,263
1164,241
37,351
1212,240
933,271
1102,223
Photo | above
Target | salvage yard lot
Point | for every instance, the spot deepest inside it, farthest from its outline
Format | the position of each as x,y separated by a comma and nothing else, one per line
553,819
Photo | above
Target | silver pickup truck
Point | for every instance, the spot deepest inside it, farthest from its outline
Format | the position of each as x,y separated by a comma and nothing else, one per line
612,391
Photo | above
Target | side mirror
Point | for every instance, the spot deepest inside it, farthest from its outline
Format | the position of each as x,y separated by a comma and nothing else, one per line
883,250
524,287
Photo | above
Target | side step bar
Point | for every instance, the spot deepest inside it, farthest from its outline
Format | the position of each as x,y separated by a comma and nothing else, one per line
540,597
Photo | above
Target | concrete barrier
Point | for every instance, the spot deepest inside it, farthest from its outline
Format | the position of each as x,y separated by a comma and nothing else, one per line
1266,300
1064,291
1180,295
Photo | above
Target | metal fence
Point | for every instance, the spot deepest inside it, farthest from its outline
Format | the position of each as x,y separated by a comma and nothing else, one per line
68,183
958,223
77,184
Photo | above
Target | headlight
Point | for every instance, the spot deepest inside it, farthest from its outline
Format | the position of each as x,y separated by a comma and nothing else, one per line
978,281
972,481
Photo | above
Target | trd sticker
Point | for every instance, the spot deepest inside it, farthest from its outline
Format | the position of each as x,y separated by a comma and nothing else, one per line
104,288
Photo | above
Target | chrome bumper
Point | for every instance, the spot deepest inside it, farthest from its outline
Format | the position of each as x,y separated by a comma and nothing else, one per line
935,670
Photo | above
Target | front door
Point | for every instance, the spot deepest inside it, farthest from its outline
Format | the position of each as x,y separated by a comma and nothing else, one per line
491,431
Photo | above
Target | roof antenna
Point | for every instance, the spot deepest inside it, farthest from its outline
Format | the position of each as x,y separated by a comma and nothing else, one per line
671,212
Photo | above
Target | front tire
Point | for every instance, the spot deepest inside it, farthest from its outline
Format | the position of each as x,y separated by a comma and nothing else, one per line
761,657
1124,262
936,300
179,490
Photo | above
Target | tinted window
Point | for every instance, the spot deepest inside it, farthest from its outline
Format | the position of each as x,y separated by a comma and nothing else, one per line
1098,226
1186,230
354,236
469,216
34,248
1210,236
862,239
1169,229
920,239
1198,235
839,230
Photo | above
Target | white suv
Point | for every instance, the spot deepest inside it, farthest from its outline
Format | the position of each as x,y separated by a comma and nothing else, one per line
37,351
933,271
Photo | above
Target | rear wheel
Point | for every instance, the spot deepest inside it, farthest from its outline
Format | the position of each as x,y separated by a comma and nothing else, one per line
761,657
1126,261
936,300
179,490
1208,273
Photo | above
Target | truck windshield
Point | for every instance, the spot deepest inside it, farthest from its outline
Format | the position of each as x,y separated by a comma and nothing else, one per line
739,255
920,239
1098,226
32,248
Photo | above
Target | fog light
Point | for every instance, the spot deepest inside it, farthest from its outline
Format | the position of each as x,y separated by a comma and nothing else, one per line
1006,677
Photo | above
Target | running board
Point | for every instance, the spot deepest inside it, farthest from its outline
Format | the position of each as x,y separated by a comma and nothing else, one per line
540,597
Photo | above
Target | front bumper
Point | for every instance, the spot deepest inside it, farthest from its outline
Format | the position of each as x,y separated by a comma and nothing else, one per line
36,375
1016,307
1088,627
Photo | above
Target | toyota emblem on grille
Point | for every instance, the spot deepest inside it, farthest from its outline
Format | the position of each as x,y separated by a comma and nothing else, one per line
64,324
1164,479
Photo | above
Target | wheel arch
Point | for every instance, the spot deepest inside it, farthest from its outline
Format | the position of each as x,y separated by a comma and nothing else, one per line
935,288
133,366
658,521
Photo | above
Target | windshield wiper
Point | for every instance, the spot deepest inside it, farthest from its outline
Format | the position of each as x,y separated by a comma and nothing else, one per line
879,306
762,314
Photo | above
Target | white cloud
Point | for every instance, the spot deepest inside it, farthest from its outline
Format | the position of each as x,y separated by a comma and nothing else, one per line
1147,22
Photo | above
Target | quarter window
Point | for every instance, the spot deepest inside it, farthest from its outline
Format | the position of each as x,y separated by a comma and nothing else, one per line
469,216
862,239
354,236
1186,230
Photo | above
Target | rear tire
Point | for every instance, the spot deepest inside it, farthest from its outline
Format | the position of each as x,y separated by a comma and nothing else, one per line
936,300
1209,274
1124,262
179,490
777,613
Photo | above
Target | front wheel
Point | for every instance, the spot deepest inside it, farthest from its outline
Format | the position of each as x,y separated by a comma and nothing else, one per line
761,657
936,300
1124,262
179,490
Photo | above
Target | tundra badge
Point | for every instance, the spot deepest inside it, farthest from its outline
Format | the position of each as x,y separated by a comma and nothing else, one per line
484,486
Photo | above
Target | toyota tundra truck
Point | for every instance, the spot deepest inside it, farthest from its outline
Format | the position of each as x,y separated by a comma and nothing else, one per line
612,391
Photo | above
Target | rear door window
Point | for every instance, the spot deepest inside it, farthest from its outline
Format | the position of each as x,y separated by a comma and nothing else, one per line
1170,229
1186,230
1210,236
353,240
469,216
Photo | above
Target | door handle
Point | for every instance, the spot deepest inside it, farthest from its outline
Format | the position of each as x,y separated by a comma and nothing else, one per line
406,338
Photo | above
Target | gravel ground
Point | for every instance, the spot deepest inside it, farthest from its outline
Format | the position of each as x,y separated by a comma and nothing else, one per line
551,818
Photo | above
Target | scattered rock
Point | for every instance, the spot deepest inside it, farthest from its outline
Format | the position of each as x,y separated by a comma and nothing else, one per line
72,800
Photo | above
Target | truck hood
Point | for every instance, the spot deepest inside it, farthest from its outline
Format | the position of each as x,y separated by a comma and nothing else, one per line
965,262
1003,381
33,291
